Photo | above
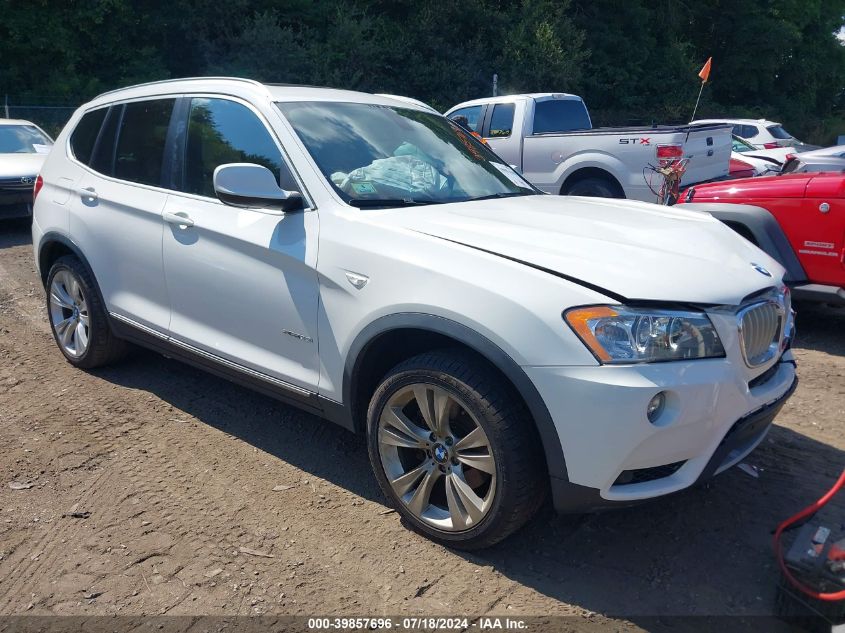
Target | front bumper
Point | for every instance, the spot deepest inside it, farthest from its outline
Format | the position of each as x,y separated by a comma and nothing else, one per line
714,417
16,203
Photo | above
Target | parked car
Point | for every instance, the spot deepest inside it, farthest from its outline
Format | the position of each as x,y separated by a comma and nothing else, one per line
492,342
807,162
799,219
837,151
761,133
550,139
763,162
23,147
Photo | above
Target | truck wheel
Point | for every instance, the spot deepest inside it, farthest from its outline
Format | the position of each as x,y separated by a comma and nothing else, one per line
78,318
593,187
454,450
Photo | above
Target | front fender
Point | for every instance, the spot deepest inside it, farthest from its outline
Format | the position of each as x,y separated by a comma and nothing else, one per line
478,343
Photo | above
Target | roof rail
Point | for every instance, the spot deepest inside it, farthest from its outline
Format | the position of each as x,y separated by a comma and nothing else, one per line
175,79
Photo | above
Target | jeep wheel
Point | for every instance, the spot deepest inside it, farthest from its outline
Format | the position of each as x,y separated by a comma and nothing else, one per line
77,317
455,450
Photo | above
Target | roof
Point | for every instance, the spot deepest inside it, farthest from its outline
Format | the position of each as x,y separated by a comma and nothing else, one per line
512,98
16,122
237,86
741,121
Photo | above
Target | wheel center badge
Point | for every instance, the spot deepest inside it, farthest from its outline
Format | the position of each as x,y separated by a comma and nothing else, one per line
440,453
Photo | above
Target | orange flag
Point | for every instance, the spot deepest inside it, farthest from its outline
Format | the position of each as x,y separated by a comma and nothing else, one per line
704,73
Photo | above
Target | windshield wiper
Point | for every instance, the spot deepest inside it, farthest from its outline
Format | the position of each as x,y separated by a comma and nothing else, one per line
362,203
511,194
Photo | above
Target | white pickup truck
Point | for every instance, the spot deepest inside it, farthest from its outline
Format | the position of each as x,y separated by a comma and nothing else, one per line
549,138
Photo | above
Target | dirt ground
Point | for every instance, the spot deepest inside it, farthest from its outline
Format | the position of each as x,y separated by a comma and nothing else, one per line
206,498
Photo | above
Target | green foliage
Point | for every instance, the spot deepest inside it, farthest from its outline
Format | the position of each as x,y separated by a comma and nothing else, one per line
634,62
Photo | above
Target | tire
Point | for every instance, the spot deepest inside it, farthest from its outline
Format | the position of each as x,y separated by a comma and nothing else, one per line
73,299
510,482
593,187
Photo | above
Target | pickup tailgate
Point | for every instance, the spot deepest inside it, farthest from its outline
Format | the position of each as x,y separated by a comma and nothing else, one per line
709,149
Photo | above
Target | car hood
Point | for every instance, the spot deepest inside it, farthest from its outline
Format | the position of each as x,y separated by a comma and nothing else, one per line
786,186
628,250
15,165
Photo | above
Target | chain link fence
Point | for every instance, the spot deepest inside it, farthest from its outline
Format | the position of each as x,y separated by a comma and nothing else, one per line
50,114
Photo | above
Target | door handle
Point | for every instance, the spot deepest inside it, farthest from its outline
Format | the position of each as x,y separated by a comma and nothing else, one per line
182,219
87,194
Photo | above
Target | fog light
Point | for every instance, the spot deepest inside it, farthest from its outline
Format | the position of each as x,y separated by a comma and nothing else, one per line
655,407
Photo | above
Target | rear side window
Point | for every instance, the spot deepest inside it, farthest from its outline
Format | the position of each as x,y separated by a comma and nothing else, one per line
85,135
749,131
468,117
140,141
222,131
560,115
501,123
778,132
102,159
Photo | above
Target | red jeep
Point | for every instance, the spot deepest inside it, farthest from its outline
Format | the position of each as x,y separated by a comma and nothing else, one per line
799,219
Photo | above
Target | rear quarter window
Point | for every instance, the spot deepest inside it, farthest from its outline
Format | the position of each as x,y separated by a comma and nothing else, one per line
85,135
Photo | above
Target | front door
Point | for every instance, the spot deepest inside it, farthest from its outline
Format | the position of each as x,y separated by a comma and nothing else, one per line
242,282
821,230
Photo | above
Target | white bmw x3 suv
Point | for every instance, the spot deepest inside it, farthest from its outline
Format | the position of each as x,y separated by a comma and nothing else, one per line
369,261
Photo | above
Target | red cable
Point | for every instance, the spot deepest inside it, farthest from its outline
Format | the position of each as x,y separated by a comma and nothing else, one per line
811,509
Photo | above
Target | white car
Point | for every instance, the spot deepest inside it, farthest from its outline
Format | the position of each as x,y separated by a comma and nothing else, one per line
764,162
371,262
836,151
761,133
23,147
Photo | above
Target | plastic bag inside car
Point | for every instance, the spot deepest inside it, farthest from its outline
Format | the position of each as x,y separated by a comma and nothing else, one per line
409,171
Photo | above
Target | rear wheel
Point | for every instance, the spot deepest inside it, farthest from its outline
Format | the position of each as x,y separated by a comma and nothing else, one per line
77,316
455,450
593,187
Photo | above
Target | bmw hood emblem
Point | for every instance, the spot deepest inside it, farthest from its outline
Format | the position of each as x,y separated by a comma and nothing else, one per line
761,270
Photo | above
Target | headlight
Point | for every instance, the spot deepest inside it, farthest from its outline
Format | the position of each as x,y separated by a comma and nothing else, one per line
622,335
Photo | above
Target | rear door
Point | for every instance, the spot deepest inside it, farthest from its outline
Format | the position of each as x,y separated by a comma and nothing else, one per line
709,151
116,211
820,233
503,131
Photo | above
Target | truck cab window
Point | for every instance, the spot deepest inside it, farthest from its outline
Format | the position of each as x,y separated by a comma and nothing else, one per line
501,123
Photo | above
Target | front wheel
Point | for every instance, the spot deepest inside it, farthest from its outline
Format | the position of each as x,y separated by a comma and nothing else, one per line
455,450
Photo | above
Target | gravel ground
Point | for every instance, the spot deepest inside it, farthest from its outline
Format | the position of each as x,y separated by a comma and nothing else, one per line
154,488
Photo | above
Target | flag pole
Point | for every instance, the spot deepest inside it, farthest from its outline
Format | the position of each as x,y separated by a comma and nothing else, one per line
695,109
704,75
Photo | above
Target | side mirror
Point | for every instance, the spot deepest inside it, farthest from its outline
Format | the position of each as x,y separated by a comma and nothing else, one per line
250,186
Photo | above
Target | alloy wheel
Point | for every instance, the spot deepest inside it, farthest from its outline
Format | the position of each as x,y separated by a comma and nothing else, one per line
437,457
69,313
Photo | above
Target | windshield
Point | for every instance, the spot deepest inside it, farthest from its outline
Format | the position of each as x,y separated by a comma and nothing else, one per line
741,146
23,139
376,155
778,132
